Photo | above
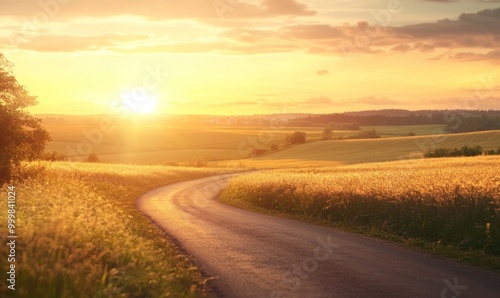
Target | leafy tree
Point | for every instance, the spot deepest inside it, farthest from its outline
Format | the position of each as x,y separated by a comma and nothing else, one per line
54,156
92,158
295,138
22,136
366,134
327,133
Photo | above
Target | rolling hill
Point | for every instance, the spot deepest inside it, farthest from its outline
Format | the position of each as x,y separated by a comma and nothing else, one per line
371,150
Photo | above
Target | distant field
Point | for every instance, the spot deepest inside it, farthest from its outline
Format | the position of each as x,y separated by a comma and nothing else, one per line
450,201
156,143
400,131
338,152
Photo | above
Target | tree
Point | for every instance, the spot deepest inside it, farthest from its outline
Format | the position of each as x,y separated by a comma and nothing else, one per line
366,134
295,138
22,136
92,158
327,133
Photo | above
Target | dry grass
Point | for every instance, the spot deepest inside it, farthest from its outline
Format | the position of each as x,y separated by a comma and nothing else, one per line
446,201
79,235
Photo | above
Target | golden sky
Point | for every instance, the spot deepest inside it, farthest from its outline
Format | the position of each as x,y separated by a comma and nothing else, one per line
253,56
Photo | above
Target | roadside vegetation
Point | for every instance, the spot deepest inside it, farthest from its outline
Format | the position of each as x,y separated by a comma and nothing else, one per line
80,234
445,204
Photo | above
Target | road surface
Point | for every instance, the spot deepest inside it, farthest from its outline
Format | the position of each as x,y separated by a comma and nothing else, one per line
255,255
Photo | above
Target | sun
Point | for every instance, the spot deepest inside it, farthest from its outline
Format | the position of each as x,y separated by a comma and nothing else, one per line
139,105
148,106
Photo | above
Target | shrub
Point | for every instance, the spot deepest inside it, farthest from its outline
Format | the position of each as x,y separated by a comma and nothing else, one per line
296,138
258,151
365,134
54,156
327,133
456,152
92,158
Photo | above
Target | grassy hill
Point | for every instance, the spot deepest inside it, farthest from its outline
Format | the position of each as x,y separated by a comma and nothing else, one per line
371,150
147,142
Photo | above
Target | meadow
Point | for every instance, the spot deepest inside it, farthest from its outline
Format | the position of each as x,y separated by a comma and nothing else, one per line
80,234
346,152
152,143
450,202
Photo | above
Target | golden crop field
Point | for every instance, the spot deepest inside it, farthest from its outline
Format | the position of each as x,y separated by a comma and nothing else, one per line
82,236
452,201
148,143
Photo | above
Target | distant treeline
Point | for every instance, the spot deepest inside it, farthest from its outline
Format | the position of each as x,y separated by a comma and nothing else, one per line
468,124
455,121
458,152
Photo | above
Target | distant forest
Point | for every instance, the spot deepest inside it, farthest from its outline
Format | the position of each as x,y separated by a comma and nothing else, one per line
455,120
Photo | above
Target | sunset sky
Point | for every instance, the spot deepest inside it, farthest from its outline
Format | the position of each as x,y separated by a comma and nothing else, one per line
254,56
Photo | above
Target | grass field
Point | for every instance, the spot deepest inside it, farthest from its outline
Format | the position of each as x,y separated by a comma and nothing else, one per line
342,152
446,202
148,143
83,237
404,130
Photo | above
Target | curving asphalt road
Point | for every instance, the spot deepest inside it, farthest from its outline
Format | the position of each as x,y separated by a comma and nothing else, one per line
255,255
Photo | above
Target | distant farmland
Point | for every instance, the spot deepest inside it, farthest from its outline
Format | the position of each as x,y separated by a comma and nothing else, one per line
372,150
156,143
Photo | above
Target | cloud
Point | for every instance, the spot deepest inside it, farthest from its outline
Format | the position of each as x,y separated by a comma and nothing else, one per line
319,31
317,101
156,9
67,43
403,48
453,1
485,22
483,103
213,105
371,100
475,36
232,104
323,72
469,56
176,47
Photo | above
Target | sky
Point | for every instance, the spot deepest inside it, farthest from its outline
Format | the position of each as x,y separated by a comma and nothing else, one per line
232,57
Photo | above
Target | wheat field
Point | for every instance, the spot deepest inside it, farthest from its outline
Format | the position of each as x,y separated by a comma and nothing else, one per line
79,234
448,201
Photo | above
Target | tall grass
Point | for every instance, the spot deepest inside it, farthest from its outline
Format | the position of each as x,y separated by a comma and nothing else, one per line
447,201
79,235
